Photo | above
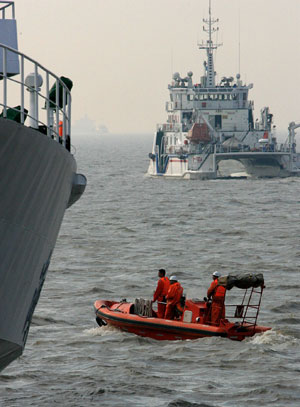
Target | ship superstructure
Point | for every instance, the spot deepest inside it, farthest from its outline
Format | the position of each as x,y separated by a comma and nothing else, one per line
38,180
209,122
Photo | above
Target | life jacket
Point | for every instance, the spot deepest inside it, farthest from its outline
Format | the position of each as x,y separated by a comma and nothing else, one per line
217,292
174,294
166,282
161,289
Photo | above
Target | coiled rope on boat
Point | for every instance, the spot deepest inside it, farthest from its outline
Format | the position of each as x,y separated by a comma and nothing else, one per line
143,307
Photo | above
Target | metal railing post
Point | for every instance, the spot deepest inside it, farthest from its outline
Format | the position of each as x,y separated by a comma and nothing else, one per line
49,125
4,83
22,90
36,99
57,109
68,115
64,117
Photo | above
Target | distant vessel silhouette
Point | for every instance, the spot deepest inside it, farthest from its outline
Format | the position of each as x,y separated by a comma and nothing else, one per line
87,127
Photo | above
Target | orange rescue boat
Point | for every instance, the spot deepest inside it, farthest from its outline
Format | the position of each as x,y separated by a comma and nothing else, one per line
139,317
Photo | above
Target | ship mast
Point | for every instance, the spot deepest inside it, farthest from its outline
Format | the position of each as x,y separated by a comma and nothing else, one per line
209,46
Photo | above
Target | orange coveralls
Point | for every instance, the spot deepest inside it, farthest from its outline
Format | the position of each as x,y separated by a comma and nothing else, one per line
161,291
173,297
217,292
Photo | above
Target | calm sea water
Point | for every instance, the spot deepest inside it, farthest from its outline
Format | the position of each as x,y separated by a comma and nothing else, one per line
110,246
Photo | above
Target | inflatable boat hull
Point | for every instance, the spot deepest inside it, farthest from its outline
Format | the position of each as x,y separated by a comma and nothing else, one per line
121,315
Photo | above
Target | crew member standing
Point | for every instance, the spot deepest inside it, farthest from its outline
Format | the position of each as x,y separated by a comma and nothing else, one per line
217,293
173,297
160,293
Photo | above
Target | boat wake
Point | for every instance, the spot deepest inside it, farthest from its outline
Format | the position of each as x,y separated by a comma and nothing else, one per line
273,337
101,331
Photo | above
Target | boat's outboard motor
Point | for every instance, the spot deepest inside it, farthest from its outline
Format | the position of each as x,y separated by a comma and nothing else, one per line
100,322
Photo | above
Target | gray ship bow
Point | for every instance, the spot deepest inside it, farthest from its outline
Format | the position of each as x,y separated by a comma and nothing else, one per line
38,182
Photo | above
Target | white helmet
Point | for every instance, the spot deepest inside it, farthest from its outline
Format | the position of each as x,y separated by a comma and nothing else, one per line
216,274
173,278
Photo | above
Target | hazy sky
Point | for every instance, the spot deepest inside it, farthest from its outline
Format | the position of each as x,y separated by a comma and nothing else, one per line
121,54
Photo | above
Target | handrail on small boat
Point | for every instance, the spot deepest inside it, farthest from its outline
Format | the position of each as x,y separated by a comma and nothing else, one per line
109,309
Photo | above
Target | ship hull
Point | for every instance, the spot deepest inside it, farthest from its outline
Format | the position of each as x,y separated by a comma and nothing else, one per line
36,180
268,168
192,167
256,164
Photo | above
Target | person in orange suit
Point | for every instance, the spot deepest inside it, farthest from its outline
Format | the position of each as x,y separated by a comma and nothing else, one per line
173,297
217,293
160,293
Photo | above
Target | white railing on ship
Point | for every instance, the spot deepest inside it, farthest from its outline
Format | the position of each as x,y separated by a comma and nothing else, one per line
172,127
62,115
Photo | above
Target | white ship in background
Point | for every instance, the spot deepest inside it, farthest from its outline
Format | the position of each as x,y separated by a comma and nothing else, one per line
208,123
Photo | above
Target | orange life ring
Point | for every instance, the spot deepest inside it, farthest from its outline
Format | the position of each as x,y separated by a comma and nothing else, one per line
60,129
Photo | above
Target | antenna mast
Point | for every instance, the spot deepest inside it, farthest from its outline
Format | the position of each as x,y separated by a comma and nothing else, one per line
210,46
239,40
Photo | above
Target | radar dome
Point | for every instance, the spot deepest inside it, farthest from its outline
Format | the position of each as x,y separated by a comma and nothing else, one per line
190,73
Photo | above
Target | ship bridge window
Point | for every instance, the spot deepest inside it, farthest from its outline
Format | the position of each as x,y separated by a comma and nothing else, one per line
190,97
171,97
244,96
